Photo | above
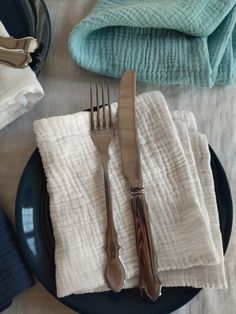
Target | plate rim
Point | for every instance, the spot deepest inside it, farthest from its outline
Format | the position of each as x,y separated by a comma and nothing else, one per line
49,36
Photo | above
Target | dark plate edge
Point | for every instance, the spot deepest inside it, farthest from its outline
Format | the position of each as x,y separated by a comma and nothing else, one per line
49,37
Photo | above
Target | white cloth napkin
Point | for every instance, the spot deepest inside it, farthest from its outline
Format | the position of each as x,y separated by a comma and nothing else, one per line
19,90
179,188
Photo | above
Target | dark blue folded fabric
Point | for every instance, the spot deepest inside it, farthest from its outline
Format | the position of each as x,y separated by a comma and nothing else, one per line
14,275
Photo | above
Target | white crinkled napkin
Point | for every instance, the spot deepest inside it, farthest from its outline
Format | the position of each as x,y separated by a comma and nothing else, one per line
179,188
19,90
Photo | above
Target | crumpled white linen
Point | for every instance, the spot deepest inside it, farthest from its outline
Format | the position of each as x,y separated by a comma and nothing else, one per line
19,90
179,187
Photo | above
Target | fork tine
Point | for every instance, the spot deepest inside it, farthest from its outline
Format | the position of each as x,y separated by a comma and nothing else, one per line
103,108
91,108
98,114
109,104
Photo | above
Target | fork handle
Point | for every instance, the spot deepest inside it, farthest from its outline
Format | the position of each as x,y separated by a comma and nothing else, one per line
114,273
149,284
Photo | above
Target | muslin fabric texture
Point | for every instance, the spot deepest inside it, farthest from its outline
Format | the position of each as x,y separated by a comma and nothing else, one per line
179,188
190,42
19,90
14,274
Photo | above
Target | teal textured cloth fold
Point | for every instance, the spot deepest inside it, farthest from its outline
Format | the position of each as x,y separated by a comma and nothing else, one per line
190,42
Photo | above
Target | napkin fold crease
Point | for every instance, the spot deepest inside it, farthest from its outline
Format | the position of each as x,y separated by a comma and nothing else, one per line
180,193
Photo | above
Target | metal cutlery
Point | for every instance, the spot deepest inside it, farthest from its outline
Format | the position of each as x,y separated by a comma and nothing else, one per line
149,284
16,52
102,135
16,58
27,44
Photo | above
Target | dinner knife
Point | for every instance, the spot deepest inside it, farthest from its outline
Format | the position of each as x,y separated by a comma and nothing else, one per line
16,58
149,284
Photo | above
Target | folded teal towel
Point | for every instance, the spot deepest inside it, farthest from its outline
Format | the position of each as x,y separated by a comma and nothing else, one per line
190,42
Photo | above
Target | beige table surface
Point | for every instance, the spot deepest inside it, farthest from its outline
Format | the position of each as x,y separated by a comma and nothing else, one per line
66,91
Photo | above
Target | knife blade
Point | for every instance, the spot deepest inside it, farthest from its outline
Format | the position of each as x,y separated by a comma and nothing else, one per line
149,284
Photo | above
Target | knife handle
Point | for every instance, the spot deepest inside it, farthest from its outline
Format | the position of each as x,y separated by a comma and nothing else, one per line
16,58
27,44
149,285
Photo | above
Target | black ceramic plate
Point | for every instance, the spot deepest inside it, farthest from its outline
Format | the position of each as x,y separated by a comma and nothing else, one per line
36,238
24,18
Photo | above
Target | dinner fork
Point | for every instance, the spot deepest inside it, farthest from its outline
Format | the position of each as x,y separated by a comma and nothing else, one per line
102,135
